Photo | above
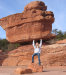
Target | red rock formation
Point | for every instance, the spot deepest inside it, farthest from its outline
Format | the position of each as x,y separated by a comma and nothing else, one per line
22,71
36,67
33,23
61,41
51,55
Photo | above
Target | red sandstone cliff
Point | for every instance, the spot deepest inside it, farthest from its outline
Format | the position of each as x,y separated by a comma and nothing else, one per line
51,55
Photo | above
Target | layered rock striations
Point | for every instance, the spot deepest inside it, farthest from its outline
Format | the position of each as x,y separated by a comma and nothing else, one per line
33,23
51,55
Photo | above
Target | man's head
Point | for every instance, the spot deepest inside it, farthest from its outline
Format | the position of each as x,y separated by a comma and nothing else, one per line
37,44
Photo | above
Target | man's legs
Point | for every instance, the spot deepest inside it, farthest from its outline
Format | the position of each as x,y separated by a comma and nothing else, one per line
39,58
33,57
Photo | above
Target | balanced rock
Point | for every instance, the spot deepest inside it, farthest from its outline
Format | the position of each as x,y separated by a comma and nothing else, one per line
36,5
33,23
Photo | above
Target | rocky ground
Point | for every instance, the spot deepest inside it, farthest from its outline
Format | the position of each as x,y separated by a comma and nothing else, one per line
46,71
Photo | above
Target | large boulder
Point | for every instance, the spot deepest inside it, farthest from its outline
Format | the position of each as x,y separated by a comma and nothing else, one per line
33,23
36,67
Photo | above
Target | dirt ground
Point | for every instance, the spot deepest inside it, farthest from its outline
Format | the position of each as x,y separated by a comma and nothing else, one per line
47,71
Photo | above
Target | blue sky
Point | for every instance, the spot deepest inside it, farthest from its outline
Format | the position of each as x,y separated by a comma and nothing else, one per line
8,7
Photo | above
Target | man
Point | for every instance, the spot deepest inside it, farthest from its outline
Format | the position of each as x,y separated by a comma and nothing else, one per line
37,50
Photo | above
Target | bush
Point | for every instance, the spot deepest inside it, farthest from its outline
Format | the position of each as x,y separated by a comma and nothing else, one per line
6,46
59,34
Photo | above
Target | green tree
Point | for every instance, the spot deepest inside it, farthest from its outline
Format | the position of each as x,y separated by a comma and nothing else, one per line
60,35
55,31
12,46
64,35
3,44
6,46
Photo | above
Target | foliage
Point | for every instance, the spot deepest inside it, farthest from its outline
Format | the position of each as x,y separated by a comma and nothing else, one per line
6,46
59,34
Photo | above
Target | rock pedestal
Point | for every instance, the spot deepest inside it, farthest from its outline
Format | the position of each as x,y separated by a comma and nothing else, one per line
36,67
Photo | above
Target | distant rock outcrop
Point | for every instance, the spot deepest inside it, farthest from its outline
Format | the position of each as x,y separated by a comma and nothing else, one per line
33,23
61,41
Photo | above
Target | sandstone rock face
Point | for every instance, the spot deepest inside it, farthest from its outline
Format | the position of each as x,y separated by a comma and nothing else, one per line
55,55
10,61
35,5
51,55
61,41
33,23
21,56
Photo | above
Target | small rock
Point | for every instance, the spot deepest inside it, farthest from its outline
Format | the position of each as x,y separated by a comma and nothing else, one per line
22,71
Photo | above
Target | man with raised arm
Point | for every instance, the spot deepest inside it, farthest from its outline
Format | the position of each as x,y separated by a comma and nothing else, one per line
37,50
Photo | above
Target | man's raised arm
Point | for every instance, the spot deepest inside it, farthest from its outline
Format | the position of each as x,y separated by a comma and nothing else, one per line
40,42
33,43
